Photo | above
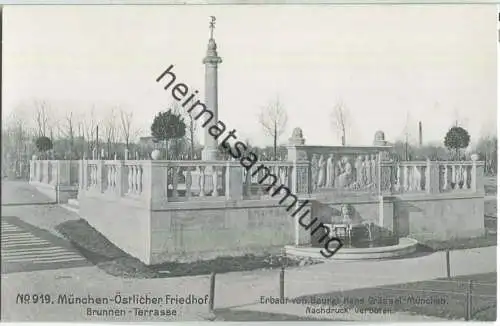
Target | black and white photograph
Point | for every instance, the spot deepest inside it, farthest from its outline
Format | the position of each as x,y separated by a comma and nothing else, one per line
240,163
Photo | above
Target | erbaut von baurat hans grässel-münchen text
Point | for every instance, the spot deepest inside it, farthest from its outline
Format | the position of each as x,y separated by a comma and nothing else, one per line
248,159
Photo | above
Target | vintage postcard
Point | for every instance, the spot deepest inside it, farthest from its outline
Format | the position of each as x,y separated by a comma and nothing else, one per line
249,163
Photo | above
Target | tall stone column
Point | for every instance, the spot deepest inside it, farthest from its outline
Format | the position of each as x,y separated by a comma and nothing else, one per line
211,61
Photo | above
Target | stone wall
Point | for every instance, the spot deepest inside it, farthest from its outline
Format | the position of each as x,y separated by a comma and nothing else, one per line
440,217
199,231
162,211
123,222
189,231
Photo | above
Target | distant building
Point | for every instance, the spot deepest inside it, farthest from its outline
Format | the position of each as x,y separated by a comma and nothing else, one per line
147,141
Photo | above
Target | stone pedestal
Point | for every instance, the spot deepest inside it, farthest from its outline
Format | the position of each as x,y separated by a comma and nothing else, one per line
302,216
386,212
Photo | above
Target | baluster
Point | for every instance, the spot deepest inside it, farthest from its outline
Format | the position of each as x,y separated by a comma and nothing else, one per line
139,179
109,171
466,177
453,178
188,182
260,187
406,184
283,174
445,177
416,179
202,181
248,182
115,177
215,179
88,178
397,183
134,179
92,178
175,181
462,176
130,180
412,177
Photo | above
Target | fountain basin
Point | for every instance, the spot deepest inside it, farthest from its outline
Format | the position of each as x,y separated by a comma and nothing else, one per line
406,246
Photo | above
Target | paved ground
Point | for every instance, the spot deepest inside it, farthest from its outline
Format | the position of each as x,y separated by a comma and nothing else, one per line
21,193
27,248
239,290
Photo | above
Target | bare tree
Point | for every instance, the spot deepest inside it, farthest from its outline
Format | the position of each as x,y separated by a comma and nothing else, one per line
67,130
126,126
273,119
340,121
16,144
41,117
90,128
110,129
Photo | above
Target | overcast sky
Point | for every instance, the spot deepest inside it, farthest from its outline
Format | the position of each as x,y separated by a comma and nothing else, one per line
433,63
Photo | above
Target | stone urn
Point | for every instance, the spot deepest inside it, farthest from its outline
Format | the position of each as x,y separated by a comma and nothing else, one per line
474,157
34,157
155,154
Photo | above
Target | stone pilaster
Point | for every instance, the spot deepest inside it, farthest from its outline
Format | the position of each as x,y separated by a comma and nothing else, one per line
386,213
432,177
100,175
477,175
303,213
156,182
234,187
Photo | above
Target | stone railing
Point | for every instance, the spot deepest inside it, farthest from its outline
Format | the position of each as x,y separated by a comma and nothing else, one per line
273,174
193,180
177,181
431,177
63,173
115,178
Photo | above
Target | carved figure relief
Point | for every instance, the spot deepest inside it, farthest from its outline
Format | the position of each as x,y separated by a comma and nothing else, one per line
367,170
358,165
373,169
330,171
345,177
322,172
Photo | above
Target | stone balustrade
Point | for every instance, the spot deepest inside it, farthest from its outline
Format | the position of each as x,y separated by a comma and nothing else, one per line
257,180
174,181
52,172
431,177
57,179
